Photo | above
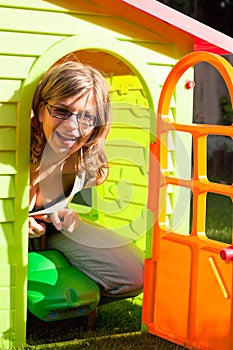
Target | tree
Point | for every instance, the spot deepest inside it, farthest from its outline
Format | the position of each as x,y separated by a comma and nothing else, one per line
184,6
217,14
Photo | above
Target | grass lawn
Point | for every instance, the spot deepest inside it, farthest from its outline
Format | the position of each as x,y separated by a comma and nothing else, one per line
119,323
219,218
118,328
115,318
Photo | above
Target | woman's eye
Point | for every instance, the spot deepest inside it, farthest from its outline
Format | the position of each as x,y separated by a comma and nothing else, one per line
88,118
61,111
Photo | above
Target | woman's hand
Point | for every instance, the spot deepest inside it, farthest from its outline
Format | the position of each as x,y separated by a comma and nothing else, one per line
36,229
65,219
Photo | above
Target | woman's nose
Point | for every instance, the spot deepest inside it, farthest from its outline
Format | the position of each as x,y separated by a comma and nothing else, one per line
72,122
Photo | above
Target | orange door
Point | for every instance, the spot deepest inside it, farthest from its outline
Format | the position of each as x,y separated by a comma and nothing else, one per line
188,285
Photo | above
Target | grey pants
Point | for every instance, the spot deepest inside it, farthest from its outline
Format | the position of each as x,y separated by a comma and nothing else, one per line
112,261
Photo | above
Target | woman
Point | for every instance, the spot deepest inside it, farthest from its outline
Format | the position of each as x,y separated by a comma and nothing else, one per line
70,123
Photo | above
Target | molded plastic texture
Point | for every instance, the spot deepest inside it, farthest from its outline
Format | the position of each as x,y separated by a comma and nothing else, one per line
188,282
56,289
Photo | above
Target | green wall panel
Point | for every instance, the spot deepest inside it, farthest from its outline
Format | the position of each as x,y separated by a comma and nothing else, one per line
15,67
7,212
44,22
26,44
34,34
9,92
7,188
131,172
39,4
7,163
6,240
7,138
8,114
130,114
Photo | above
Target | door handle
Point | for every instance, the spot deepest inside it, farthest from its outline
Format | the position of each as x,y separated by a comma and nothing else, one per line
227,253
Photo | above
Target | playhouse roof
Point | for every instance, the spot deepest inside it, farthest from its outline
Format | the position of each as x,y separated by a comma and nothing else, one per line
148,12
205,37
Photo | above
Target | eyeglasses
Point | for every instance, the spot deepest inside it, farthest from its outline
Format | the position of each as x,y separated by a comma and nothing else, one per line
84,118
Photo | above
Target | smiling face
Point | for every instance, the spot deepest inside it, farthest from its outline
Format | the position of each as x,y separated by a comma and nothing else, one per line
74,87
67,136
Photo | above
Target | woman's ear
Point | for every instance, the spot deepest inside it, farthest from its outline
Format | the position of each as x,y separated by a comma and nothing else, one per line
41,111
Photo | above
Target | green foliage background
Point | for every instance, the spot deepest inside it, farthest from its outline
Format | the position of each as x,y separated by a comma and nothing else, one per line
217,14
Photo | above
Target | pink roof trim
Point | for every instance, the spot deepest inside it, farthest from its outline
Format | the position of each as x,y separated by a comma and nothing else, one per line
205,37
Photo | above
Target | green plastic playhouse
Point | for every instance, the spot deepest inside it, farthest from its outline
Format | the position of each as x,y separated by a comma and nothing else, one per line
136,49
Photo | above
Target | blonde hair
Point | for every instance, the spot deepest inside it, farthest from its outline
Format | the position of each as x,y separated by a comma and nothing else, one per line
60,82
